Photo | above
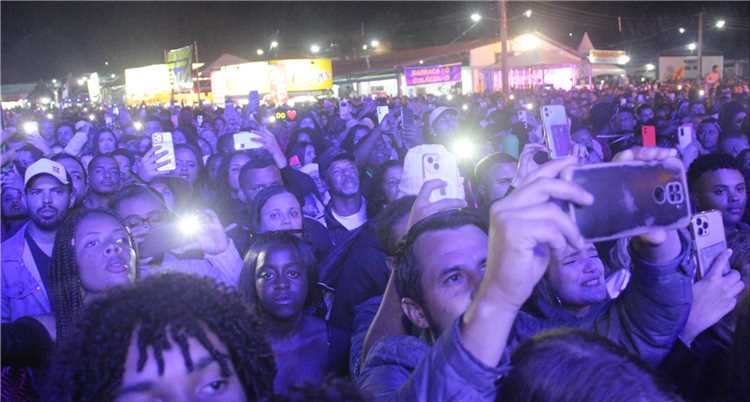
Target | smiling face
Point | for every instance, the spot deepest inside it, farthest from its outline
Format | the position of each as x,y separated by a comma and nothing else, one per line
281,283
205,382
104,254
578,279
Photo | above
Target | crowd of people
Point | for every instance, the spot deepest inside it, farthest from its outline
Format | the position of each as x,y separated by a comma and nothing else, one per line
299,268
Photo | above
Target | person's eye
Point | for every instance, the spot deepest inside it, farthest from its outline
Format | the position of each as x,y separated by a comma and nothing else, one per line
213,388
294,213
274,215
718,192
294,274
454,278
91,243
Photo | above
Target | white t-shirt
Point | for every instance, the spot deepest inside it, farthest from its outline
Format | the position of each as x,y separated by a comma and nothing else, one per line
355,220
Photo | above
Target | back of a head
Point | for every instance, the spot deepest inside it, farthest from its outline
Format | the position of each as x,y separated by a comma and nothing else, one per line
571,365
161,313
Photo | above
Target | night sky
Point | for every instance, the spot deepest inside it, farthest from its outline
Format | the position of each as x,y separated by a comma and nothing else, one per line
46,40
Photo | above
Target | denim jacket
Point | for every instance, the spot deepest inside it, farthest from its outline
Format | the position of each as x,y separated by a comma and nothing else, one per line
645,320
23,293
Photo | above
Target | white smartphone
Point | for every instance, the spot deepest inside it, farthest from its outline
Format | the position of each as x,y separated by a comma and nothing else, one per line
684,135
382,112
75,145
164,139
556,131
244,140
443,166
707,229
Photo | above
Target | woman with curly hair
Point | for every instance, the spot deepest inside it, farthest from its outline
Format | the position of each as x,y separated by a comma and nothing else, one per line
171,337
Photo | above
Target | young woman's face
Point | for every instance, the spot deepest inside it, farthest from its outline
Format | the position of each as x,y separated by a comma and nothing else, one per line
578,280
187,164
104,254
107,142
281,212
281,283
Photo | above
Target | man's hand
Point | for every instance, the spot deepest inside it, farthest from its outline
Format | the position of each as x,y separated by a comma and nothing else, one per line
527,165
149,166
714,296
658,245
423,207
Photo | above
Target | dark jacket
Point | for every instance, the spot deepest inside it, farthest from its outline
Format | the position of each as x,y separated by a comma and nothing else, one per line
645,320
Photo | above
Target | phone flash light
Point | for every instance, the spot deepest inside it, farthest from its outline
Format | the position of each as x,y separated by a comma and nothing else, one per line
30,127
138,125
529,106
463,148
701,92
679,87
188,225
271,119
511,97
465,107
92,117
50,116
449,97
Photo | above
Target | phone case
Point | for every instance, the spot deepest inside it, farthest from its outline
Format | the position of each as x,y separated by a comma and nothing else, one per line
556,131
165,140
382,112
649,136
427,162
630,198
685,135
244,140
707,229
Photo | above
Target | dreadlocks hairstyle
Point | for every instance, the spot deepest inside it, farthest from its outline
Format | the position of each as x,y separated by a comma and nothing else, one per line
153,314
65,278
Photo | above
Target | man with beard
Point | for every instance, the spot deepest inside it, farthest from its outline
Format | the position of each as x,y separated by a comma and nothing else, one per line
26,256
347,209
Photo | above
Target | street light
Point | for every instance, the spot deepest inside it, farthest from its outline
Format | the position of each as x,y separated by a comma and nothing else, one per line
54,81
315,48
476,17
112,76
259,52
682,30
650,67
374,43
527,13
421,62
720,24
364,47
274,45
80,82
691,46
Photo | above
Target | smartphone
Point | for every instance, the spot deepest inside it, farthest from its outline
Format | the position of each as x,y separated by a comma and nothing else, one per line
648,134
344,109
630,198
427,162
684,135
244,140
707,229
556,131
76,144
164,139
382,112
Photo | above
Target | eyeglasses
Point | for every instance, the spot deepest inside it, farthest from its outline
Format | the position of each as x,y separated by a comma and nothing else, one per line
153,218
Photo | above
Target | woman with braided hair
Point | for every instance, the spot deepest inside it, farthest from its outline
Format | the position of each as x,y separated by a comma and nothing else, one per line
170,337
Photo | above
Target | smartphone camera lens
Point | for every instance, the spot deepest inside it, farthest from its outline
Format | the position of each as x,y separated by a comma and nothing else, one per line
659,195
700,231
436,166
430,160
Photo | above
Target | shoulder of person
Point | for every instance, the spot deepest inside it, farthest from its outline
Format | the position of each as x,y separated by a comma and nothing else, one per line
402,350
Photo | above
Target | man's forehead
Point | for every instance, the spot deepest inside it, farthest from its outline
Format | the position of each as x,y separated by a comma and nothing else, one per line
446,246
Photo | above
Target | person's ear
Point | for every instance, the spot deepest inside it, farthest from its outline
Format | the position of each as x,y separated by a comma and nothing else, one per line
414,313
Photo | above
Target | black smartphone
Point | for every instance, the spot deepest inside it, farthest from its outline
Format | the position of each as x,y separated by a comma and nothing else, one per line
630,198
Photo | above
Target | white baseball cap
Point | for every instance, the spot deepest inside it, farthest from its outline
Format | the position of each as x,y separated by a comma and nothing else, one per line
45,166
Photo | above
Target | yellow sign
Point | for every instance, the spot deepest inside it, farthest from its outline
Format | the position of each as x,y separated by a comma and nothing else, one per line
306,74
146,83
608,56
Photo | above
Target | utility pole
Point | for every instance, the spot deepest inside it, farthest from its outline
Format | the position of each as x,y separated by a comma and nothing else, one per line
504,45
700,46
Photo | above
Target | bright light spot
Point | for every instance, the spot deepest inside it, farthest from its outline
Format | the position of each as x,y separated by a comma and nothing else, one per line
84,78
679,87
526,42
511,97
54,81
691,46
45,100
720,24
463,148
315,48
80,82
92,117
601,82
643,79
106,63
138,126
650,67
701,92
364,47
374,43
527,13
624,59
50,116
271,119
30,127
206,102
85,109
465,107
682,30
449,97
274,45
421,62
529,106
112,76
476,17
259,52
188,225
570,34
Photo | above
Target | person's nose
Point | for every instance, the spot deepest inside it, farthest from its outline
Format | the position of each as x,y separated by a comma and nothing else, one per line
282,282
47,197
285,219
734,196
113,248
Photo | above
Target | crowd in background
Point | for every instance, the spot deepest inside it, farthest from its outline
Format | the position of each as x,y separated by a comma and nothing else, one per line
308,274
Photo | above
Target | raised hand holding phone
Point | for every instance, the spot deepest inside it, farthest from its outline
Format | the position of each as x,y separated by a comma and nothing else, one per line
424,207
151,164
164,141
